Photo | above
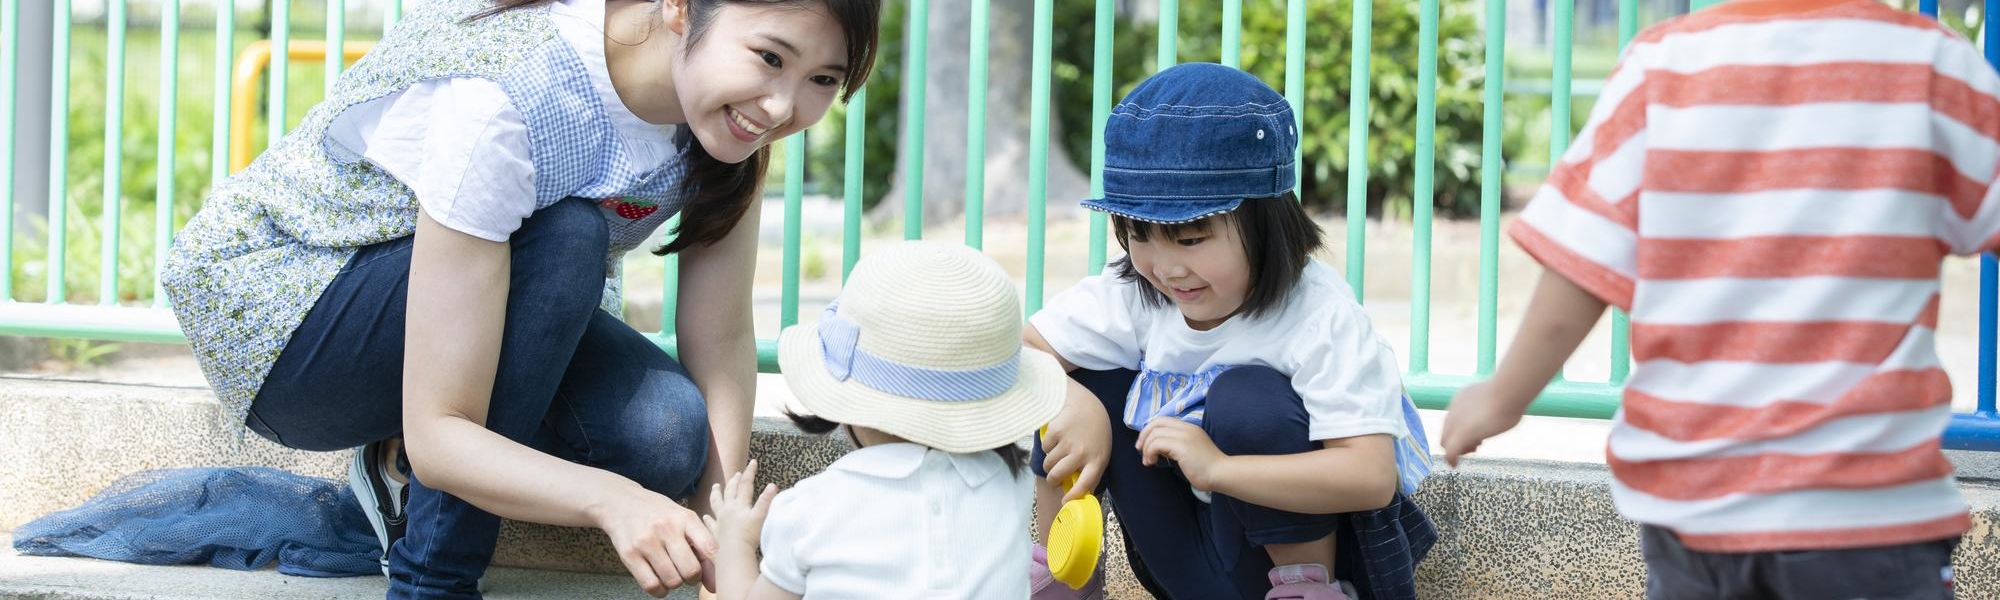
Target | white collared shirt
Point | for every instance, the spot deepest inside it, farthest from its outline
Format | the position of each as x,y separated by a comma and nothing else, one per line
902,521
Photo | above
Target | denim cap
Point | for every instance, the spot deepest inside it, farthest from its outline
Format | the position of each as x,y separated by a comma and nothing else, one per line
1194,141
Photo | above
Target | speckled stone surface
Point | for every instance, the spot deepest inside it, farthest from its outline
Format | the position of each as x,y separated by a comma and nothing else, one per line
60,442
1514,530
39,578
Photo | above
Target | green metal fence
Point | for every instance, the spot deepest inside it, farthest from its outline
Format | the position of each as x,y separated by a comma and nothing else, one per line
148,320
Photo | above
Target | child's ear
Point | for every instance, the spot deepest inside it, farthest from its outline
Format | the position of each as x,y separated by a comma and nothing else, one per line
673,13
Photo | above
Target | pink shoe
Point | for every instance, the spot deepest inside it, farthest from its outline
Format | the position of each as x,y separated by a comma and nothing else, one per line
1306,582
1042,584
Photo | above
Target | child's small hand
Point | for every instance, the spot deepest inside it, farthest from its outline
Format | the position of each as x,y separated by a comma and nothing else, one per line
739,517
1078,442
1184,443
1476,414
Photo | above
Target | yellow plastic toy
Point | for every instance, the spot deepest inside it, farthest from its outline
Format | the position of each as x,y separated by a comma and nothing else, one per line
1076,540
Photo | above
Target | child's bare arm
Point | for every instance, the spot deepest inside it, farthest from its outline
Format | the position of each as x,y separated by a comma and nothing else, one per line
1344,475
1559,316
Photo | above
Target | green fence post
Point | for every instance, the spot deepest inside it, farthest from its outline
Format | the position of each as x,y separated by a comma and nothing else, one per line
163,182
59,156
336,41
281,44
1357,149
1295,82
1170,31
1420,202
114,141
795,179
857,127
670,285
394,16
1100,112
975,129
10,53
1559,94
1621,323
1559,91
918,30
1232,33
1491,170
1038,149
225,61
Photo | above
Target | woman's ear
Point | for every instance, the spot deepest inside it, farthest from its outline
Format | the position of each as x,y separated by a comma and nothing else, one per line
674,14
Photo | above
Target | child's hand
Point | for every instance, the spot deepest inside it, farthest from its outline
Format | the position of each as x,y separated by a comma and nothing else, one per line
1185,444
1476,414
739,518
1078,442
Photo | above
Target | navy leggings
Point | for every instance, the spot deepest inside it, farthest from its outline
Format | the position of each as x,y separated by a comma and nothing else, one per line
1176,542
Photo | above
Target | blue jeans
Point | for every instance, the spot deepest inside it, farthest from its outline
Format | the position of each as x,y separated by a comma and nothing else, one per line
1179,546
573,381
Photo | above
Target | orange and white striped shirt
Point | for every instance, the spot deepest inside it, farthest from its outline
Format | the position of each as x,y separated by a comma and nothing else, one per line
1770,188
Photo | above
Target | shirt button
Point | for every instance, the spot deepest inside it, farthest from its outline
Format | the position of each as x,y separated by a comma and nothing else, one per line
937,508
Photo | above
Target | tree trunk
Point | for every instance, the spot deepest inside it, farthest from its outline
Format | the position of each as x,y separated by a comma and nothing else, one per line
946,156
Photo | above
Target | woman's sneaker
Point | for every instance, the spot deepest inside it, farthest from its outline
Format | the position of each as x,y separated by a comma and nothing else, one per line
1042,584
382,497
1307,582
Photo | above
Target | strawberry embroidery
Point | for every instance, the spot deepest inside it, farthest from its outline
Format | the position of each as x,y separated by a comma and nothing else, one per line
630,208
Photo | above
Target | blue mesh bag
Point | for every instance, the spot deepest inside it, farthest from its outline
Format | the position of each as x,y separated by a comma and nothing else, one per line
239,518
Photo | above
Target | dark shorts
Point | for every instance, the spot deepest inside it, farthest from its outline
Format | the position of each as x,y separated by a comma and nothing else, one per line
1920,571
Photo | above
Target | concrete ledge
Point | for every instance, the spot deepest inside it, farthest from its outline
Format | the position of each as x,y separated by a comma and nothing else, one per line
1510,529
38,578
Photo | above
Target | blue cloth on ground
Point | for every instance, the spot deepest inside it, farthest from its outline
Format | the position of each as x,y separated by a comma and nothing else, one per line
239,518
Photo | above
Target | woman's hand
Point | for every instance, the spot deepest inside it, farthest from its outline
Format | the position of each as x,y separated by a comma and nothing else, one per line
661,543
1078,442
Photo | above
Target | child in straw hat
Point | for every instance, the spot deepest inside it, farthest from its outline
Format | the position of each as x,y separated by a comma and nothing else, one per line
920,360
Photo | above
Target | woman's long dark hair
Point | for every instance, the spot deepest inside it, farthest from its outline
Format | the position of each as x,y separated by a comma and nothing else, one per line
722,192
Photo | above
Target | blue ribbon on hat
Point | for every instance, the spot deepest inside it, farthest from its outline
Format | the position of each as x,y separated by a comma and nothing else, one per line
839,338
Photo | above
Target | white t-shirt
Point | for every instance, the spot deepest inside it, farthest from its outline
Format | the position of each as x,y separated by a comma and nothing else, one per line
462,148
902,521
1320,338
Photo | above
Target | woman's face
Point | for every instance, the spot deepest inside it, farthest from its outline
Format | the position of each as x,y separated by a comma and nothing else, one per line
758,73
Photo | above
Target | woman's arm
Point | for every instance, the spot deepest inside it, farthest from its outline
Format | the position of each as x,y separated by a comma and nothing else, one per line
718,343
457,309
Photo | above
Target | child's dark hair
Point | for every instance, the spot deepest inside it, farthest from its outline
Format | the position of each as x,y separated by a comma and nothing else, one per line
722,192
1013,455
1278,238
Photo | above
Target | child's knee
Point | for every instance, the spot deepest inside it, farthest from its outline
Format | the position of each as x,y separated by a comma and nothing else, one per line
1253,410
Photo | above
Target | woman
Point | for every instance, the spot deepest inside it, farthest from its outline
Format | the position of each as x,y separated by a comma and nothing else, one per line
431,254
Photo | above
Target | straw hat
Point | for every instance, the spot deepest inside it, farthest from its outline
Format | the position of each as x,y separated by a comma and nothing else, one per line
925,344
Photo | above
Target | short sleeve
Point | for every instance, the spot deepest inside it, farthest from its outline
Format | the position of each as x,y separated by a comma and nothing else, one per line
783,527
460,146
1968,227
1092,325
1584,222
1347,375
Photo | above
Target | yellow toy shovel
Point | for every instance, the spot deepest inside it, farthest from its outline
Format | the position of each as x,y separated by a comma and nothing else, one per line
1076,540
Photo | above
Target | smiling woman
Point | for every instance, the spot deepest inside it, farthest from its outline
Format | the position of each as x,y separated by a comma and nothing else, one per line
426,259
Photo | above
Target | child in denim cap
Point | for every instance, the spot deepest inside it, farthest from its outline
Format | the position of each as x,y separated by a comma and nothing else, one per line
1228,391
1769,187
920,359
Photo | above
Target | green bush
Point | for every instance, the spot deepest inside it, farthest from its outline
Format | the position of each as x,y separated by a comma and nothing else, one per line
1392,119
1392,116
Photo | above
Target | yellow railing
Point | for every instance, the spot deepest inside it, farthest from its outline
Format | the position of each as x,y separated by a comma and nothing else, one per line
250,66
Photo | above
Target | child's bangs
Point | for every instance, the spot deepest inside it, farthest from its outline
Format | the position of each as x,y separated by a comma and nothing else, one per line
1141,231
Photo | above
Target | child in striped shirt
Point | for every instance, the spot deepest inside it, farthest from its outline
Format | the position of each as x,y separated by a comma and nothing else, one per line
1769,187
